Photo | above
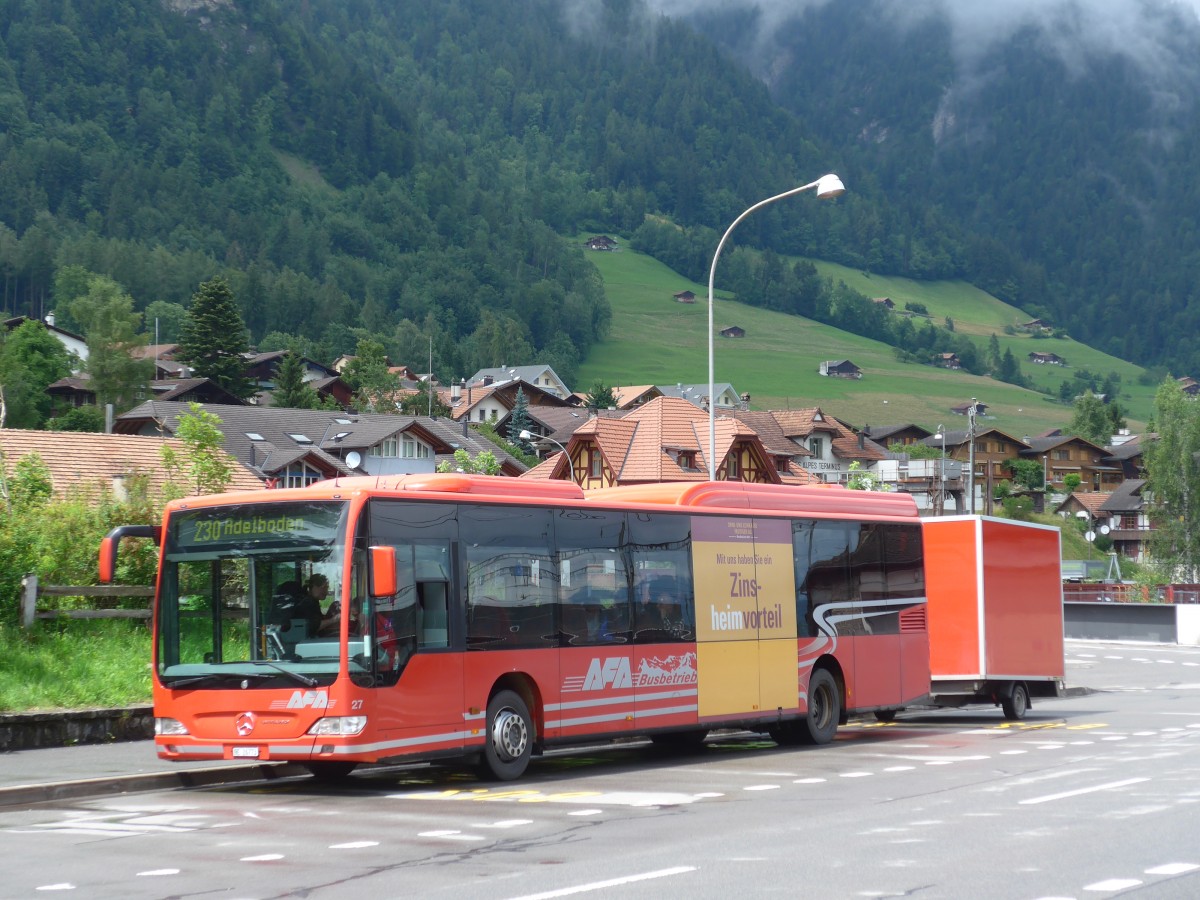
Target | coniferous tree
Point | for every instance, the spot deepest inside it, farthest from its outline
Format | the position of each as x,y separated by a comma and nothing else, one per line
600,396
291,390
214,342
519,421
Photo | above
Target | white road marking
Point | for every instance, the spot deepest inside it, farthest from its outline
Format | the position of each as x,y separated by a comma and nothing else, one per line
155,872
761,787
585,812
266,857
1112,884
612,882
854,775
450,835
808,781
505,823
1173,869
354,845
61,886
1087,790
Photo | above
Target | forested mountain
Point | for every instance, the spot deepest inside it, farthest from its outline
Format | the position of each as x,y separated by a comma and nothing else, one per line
406,169
1051,142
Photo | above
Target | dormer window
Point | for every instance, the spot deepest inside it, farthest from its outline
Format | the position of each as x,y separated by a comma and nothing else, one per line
255,436
816,446
686,459
300,438
388,447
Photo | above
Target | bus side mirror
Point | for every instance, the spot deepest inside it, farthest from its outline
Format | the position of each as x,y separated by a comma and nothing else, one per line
383,571
108,546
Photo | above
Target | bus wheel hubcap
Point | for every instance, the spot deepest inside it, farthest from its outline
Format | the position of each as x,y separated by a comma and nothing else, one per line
509,734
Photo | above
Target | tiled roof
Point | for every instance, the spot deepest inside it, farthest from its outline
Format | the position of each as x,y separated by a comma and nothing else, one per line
1092,501
85,460
268,438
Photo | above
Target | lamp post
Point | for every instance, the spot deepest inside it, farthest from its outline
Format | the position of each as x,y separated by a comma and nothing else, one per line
971,411
941,501
827,187
527,435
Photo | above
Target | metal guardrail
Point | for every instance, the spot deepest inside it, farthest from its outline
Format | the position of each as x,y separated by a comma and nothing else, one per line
1131,593
31,591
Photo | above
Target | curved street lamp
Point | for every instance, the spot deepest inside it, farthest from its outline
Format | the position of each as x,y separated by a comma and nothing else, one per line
529,436
827,187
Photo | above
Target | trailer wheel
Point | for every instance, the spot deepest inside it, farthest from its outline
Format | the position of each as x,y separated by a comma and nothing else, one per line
824,709
509,741
1016,704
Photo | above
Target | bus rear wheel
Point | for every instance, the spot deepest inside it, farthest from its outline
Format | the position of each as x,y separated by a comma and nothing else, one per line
824,709
509,741
330,770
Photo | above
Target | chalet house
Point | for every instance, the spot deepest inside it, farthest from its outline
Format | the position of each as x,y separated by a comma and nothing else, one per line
1189,385
1046,359
993,449
1127,457
542,377
697,394
263,368
885,302
819,443
75,344
295,447
76,390
1062,455
964,409
1129,520
494,401
886,435
635,395
733,331
948,361
1037,325
663,440
684,297
91,463
601,242
839,368
165,364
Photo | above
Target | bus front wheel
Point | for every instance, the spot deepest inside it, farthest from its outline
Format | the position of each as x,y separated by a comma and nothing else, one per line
509,740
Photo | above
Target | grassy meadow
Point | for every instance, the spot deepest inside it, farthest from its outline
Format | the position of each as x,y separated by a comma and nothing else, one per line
655,340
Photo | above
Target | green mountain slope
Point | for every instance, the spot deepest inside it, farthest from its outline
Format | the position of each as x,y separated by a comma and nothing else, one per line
655,340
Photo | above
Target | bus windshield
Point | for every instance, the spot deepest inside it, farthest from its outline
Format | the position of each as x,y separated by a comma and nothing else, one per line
247,596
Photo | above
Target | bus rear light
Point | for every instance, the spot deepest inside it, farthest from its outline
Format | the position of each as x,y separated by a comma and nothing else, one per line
338,725
163,726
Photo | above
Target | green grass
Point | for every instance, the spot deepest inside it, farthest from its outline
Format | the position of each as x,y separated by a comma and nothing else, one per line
655,340
79,664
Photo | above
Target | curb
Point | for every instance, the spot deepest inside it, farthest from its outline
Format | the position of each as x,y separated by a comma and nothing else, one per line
22,794
72,727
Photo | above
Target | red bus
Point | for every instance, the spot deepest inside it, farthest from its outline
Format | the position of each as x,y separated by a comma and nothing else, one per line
491,618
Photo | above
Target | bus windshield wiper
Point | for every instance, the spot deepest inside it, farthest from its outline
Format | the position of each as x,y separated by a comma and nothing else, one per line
303,679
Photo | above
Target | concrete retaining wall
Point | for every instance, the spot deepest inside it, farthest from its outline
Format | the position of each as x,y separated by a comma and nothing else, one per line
64,728
1159,623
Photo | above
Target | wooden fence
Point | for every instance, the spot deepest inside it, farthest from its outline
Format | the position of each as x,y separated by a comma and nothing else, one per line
32,592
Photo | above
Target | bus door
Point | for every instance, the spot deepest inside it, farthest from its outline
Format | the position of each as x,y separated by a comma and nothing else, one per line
595,691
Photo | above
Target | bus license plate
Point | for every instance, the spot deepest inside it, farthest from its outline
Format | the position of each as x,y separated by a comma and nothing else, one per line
239,752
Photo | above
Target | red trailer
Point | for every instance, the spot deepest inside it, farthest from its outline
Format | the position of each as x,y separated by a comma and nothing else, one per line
995,611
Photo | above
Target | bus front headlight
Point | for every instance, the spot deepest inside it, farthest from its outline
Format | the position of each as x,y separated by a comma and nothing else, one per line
335,726
167,727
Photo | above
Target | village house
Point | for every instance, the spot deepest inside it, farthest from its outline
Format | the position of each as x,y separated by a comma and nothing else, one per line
697,394
1046,359
1062,455
948,361
821,444
85,463
295,447
664,440
684,297
885,302
601,242
733,331
839,368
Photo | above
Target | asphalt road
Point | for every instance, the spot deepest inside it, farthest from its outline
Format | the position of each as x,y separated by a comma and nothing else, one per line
1092,796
